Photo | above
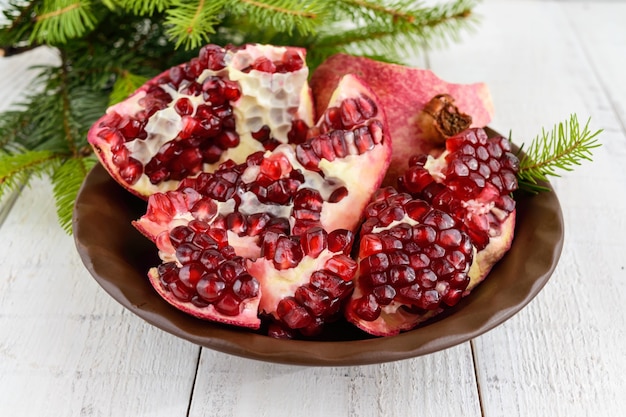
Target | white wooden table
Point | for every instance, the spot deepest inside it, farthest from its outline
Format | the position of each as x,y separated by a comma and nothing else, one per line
68,349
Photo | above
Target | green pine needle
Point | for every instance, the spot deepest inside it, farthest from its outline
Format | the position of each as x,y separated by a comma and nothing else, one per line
17,168
66,182
60,20
191,23
562,148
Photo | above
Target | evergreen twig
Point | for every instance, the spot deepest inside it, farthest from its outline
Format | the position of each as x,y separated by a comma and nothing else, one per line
563,147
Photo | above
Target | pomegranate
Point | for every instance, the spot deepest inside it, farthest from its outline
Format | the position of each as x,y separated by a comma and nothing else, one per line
472,181
304,280
403,93
224,104
413,262
286,215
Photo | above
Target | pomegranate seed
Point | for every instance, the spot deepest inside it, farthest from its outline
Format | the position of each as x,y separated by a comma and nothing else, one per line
370,244
367,308
263,64
367,107
341,265
350,114
246,286
340,240
131,171
298,132
313,299
377,262
168,272
210,288
181,234
293,314
190,274
230,270
288,253
363,139
332,284
291,61
228,305
314,241
211,259
384,294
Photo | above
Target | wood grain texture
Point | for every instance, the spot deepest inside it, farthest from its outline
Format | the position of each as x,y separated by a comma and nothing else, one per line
66,348
441,384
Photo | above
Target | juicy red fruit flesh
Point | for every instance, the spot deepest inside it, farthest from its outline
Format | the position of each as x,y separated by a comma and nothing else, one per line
207,271
420,262
478,169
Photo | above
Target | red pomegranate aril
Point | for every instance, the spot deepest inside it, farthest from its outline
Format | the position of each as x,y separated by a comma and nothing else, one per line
211,288
315,300
384,294
340,241
212,56
314,241
287,253
332,284
367,308
231,269
190,274
263,64
293,314
291,61
246,286
228,305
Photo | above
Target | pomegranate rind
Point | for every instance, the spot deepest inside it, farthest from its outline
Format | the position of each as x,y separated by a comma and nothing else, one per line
275,100
403,92
247,317
490,255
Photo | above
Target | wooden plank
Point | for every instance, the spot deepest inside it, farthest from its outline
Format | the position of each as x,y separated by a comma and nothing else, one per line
440,384
66,348
563,355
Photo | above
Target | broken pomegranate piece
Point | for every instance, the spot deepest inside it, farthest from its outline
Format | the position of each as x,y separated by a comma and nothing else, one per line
403,93
206,278
304,280
472,181
224,104
413,262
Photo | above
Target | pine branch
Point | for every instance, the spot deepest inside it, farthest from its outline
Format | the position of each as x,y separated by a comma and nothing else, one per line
66,182
565,146
17,168
288,15
395,30
191,23
57,21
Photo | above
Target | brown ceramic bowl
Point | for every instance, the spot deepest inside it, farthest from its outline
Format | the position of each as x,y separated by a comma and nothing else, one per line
119,257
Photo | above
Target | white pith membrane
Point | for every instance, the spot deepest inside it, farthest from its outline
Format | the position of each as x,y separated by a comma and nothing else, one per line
267,99
278,284
393,317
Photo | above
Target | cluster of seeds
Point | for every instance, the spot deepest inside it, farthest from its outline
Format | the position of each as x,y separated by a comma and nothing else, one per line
480,175
207,271
411,255
319,300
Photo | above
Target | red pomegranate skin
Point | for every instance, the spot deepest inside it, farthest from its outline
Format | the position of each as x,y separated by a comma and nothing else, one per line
403,92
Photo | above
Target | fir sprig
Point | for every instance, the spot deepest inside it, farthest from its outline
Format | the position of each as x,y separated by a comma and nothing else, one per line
566,145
